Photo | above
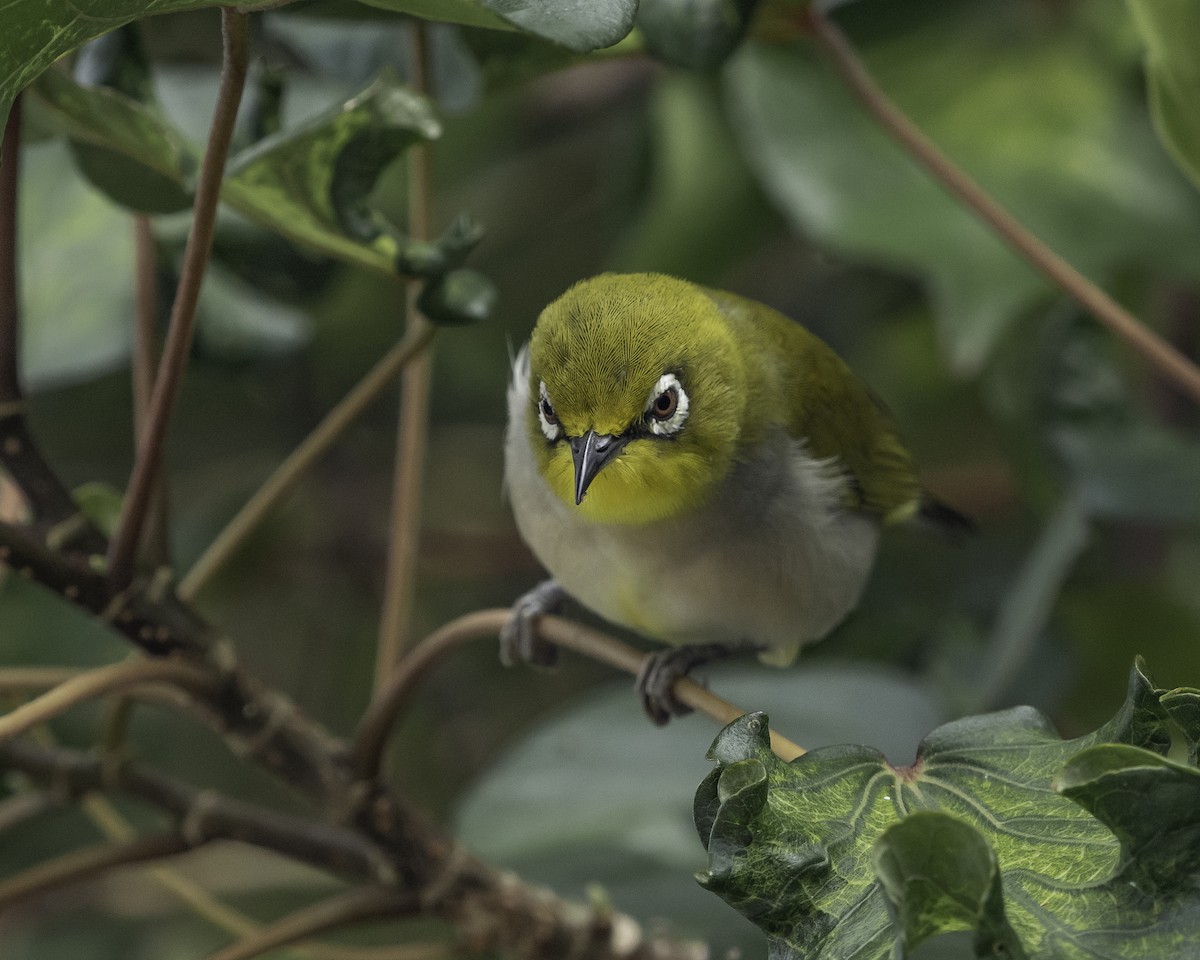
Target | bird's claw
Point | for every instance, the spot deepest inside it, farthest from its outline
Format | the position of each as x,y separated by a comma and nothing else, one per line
519,642
655,682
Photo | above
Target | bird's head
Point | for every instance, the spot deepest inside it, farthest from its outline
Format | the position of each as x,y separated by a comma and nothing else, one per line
637,396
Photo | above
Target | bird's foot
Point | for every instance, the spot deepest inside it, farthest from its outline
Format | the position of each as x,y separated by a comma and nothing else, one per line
519,641
655,682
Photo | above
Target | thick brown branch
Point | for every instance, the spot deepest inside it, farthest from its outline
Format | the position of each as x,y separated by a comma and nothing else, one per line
138,497
203,815
1178,369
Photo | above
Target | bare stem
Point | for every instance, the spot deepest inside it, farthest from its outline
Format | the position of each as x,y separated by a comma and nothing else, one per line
361,903
1176,367
22,807
390,703
413,427
81,865
10,159
298,463
146,349
101,681
123,548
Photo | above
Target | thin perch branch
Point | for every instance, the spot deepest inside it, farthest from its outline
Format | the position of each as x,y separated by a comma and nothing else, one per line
383,712
123,549
1176,367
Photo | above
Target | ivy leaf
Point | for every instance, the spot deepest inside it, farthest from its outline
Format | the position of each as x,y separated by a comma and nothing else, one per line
1171,31
38,32
906,852
468,13
694,34
1183,706
939,874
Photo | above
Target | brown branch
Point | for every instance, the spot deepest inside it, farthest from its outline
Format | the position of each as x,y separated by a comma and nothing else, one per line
386,708
22,807
404,529
10,162
124,546
146,356
203,815
1177,368
87,864
301,460
361,903
105,680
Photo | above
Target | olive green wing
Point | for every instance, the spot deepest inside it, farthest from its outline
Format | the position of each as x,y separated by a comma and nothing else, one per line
828,407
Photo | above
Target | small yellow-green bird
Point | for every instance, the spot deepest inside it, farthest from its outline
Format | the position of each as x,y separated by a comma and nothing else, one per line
699,468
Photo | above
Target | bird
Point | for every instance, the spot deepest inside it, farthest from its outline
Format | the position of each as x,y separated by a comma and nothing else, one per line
698,468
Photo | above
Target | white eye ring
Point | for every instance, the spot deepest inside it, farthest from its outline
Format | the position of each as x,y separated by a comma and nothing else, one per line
667,383
547,419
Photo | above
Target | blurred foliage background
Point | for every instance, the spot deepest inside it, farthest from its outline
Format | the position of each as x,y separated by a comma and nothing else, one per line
758,175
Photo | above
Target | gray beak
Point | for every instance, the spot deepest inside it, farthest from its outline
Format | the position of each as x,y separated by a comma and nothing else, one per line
591,452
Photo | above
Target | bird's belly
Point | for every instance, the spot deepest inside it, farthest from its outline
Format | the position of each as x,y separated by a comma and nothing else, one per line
689,581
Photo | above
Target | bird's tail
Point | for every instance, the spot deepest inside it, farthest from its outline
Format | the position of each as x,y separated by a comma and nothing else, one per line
935,515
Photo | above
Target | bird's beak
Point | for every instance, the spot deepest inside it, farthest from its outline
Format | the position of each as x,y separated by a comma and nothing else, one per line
591,452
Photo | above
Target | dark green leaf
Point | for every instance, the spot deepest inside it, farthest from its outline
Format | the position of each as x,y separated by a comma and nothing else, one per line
1152,805
790,845
1183,706
112,122
694,34
471,13
38,32
1043,122
939,875
579,25
1171,31
458,297
313,184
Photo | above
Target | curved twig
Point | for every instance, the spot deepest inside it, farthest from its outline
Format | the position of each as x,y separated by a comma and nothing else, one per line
380,717
1176,367
139,495
361,903
104,680
80,865
298,462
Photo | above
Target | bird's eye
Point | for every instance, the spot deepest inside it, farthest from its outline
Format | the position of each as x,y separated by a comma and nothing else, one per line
664,405
547,418
667,407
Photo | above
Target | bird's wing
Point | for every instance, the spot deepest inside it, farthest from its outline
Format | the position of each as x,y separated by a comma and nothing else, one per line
833,411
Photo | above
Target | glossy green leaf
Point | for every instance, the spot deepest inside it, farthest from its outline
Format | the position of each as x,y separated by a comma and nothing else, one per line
38,32
1171,32
1037,116
795,846
470,13
111,121
579,25
1152,805
313,184
694,34
1183,706
939,875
